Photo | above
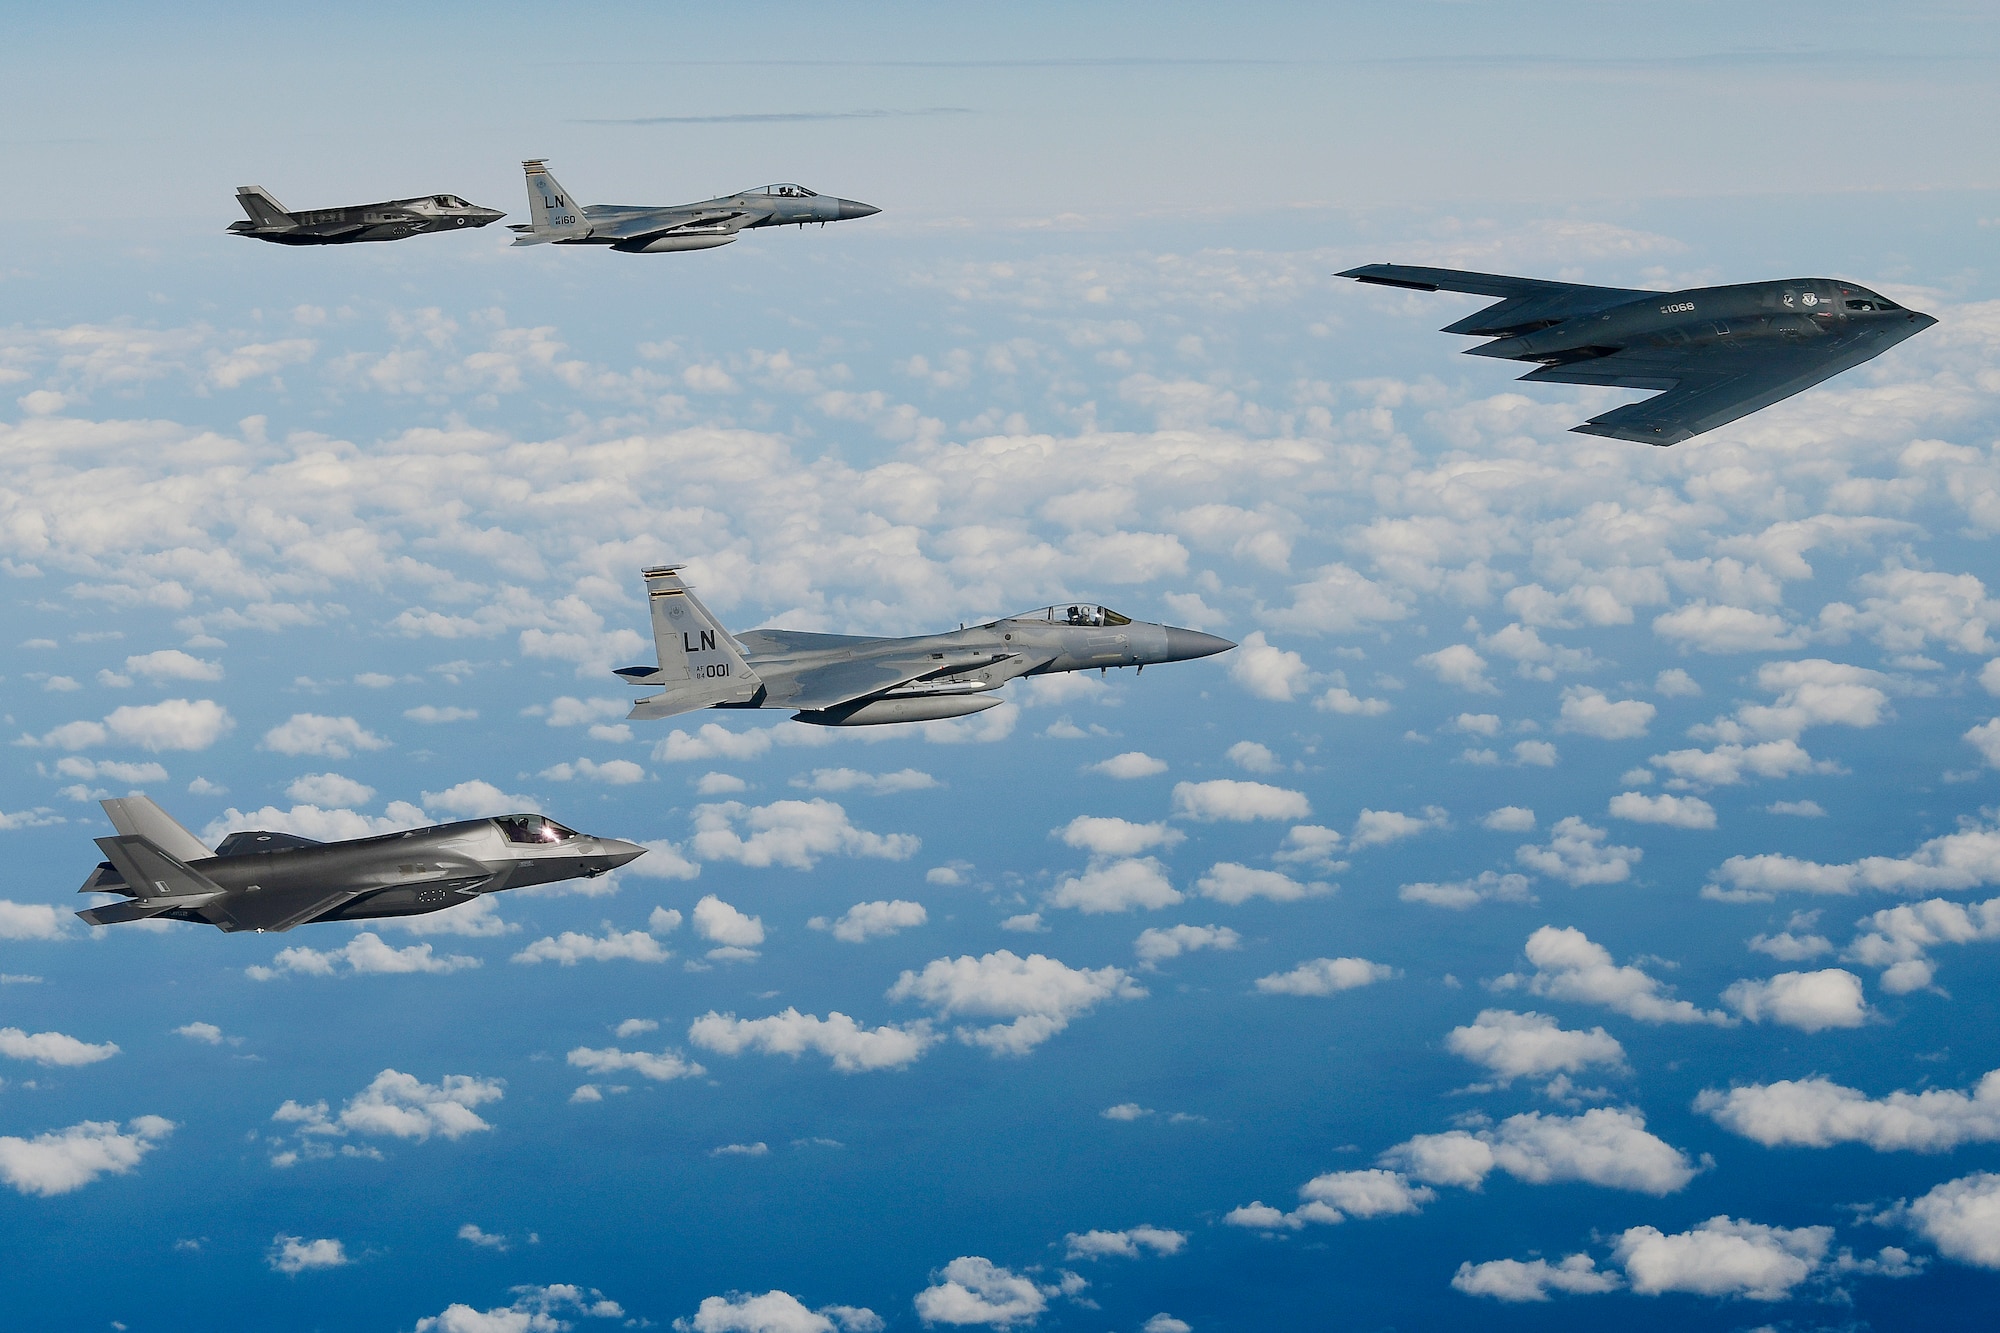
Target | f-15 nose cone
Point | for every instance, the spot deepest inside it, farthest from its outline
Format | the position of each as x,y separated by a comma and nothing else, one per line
1186,644
850,209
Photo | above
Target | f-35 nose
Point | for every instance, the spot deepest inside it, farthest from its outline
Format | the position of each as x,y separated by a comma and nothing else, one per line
850,209
1186,644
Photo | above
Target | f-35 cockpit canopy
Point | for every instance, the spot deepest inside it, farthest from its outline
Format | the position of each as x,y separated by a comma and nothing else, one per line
533,829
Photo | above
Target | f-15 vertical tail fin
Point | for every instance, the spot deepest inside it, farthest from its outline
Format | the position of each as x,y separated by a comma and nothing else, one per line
264,210
700,664
556,216
138,817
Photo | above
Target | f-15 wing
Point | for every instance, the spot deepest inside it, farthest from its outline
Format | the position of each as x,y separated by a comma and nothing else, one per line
840,682
1526,304
651,224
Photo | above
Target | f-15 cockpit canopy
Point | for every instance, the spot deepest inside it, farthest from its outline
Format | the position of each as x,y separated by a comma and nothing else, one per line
788,191
533,829
1076,613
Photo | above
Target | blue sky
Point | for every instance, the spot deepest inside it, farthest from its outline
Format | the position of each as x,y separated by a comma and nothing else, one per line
1570,902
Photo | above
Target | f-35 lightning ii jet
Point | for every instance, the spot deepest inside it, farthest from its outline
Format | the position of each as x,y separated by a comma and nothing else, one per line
843,680
274,881
652,230
1719,352
390,221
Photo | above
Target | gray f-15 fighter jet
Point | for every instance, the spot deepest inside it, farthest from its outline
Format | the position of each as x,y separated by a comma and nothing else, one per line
1720,353
274,881
390,221
652,230
844,680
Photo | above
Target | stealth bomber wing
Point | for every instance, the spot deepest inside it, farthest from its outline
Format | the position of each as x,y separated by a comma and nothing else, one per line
843,680
648,230
391,221
1717,354
273,881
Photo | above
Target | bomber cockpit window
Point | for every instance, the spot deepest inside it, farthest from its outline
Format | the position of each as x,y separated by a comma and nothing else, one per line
1853,304
533,829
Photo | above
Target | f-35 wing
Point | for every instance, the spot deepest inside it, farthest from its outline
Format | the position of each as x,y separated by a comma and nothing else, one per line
1526,304
1705,388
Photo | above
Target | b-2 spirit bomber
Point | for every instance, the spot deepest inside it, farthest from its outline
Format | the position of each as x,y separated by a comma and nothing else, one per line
390,221
662,229
1720,353
844,680
273,881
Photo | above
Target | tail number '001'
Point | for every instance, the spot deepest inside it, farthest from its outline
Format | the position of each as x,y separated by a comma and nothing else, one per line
715,672
1678,308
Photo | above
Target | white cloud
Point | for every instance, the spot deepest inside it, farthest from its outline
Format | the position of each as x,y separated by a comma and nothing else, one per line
1106,836
329,789
1487,886
1339,1195
364,955
206,1033
712,741
635,1027
1039,994
1373,828
1513,1045
1253,758
1310,844
1725,765
1799,809
868,921
535,1310
1227,799
719,923
1811,693
1673,811
1267,671
1816,1112
1913,607
1512,1280
310,821
1674,683
1126,1111
1325,976
31,921
472,1233
1899,938
1727,629
851,1047
775,1312
171,724
1604,1146
1340,699
873,784
612,772
327,737
476,799
1166,1323
1509,819
663,860
172,664
1958,1217
790,833
1228,882
1789,948
1569,966
572,947
1131,764
292,1255
1459,665
1722,1257
1131,1243
1159,943
1578,854
53,1050
1985,738
76,766
1590,713
661,1068
68,1159
1116,886
719,784
1962,860
974,1290
393,1105
568,711
432,715
1809,1001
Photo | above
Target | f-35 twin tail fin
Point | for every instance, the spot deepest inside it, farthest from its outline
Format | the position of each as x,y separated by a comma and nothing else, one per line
700,664
266,213
557,216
